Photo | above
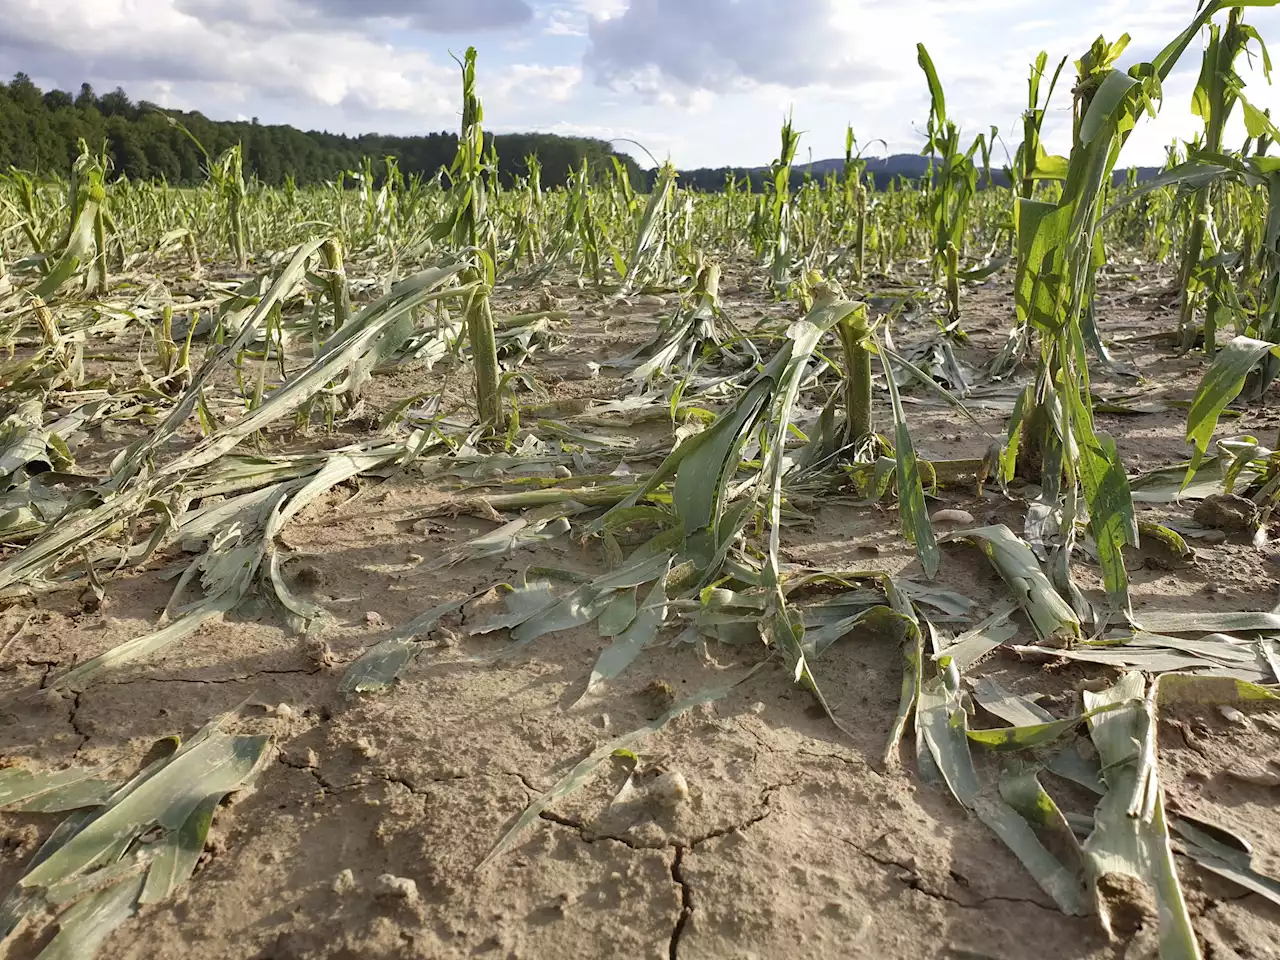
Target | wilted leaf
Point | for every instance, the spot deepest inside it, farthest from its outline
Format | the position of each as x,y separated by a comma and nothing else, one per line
57,792
1051,616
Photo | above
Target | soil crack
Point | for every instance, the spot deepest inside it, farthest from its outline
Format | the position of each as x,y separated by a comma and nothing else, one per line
417,788
763,813
243,679
911,878
686,902
587,835
73,720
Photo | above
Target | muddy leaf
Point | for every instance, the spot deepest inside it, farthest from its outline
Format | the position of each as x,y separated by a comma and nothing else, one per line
626,646
138,846
1128,855
377,668
1223,853
56,792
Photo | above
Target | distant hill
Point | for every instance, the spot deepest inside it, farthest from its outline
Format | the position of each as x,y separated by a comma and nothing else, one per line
883,170
39,131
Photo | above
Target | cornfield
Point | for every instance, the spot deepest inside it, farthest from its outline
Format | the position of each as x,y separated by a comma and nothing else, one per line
495,531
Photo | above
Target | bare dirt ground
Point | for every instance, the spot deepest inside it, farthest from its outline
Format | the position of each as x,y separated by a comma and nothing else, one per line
795,840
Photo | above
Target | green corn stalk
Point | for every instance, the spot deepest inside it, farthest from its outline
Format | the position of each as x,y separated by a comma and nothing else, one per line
777,207
193,254
530,237
90,175
1059,253
584,217
1058,247
625,202
651,233
855,202
1031,161
491,172
1215,97
166,349
950,197
471,229
484,346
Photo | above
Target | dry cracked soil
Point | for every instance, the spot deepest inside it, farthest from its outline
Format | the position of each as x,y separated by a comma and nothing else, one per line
792,838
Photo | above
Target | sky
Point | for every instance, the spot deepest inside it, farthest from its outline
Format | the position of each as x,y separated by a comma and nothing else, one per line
703,82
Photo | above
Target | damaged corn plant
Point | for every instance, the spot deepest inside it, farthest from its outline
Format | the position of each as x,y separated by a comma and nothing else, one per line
684,467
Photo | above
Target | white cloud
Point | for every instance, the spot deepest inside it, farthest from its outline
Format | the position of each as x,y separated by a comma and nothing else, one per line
523,82
562,23
431,15
136,43
706,80
601,9
719,45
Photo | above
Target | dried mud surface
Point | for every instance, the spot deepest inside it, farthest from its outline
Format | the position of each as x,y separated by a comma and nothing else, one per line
795,840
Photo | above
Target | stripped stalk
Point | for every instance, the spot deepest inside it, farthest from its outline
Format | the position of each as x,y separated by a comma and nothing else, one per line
854,338
471,227
189,242
227,175
100,245
953,282
484,353
860,241
339,294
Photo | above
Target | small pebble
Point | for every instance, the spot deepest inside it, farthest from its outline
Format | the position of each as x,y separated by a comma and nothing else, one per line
344,882
670,789
961,517
397,888
283,711
374,619
1232,715
365,748
563,472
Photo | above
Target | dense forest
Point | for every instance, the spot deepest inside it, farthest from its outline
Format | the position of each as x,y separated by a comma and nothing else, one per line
39,132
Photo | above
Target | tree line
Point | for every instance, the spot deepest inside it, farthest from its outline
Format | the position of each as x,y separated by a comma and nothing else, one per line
40,132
